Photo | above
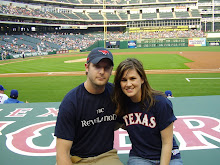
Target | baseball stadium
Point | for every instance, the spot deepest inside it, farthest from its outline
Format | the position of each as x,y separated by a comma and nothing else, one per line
44,45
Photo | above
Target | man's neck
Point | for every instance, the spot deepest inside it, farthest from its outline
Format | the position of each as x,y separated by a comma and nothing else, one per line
93,89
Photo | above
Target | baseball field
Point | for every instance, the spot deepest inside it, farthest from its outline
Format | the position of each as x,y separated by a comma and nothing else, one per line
191,73
187,71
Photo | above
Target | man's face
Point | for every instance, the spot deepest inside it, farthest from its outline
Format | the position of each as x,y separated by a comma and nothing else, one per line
99,74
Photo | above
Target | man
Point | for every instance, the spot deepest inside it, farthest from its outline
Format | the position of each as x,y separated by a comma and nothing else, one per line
86,119
13,97
169,94
3,96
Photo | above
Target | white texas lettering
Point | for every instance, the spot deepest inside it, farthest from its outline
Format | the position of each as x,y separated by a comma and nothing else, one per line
19,112
138,118
129,120
51,111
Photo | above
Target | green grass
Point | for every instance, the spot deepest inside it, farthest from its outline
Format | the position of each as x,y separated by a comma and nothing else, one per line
41,89
53,89
42,65
157,61
150,61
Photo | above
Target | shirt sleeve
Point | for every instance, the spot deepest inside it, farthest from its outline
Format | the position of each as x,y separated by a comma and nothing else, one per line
165,114
65,127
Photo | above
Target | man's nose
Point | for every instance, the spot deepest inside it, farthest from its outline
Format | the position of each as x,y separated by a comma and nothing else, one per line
101,70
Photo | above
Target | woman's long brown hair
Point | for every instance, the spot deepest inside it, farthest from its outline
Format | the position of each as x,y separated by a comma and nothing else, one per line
120,99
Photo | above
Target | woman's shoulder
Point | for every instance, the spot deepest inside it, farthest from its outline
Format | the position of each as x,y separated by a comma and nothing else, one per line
162,100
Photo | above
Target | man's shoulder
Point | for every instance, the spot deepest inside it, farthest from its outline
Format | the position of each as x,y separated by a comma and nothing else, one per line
9,100
4,96
75,91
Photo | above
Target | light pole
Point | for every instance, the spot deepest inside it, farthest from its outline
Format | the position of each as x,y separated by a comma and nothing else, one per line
105,23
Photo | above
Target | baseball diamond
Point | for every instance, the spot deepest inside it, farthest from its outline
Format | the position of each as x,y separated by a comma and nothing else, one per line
196,130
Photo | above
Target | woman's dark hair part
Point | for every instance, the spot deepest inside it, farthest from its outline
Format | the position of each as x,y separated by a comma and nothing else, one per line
120,99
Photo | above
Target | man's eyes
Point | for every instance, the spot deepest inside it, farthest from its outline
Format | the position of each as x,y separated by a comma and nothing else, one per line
106,68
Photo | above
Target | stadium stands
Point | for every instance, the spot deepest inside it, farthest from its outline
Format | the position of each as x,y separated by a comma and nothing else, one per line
95,16
48,42
135,16
82,16
166,15
53,25
183,14
123,15
195,13
148,1
112,16
71,16
149,16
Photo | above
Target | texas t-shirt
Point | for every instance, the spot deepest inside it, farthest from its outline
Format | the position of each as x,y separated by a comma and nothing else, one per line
144,128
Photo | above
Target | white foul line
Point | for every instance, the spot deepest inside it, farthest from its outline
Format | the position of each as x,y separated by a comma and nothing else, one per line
187,79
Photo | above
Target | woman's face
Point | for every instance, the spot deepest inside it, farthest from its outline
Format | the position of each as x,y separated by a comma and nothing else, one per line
131,84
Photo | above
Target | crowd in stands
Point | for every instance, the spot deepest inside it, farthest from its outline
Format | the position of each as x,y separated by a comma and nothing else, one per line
167,34
60,13
16,10
156,34
69,41
49,42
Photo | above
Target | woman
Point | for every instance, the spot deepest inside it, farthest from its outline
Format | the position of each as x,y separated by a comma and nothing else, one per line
147,116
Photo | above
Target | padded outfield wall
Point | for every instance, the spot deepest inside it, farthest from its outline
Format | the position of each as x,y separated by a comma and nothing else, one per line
157,43
27,132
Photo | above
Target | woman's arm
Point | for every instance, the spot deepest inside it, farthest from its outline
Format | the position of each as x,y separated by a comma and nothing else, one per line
167,145
63,152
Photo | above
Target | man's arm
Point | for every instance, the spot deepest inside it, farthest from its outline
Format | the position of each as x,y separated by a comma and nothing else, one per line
63,152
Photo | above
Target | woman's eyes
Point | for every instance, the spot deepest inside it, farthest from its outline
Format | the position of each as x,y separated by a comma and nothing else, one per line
132,78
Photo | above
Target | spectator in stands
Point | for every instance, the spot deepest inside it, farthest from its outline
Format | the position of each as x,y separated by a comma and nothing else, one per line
13,97
23,55
169,94
86,115
2,55
3,96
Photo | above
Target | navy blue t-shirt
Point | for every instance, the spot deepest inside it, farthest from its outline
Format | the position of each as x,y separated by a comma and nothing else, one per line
88,120
144,128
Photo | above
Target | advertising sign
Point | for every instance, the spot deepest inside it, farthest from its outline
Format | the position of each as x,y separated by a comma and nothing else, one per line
112,43
197,42
132,44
